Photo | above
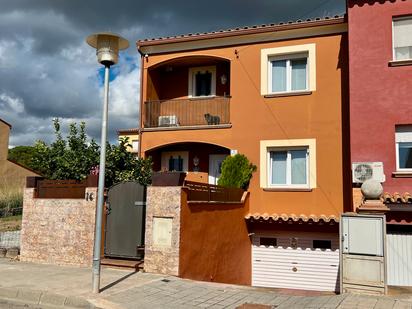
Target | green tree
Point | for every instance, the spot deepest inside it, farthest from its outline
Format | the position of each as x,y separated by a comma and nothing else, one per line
75,156
121,165
66,159
236,172
22,155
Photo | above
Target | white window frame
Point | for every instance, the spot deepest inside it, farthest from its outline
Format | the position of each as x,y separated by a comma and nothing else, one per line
192,81
135,145
288,59
288,183
288,51
394,19
403,134
165,156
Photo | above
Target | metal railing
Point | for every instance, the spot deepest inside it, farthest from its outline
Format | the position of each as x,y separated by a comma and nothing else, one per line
201,192
206,111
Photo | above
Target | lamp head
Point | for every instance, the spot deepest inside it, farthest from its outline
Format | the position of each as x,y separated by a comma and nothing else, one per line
107,46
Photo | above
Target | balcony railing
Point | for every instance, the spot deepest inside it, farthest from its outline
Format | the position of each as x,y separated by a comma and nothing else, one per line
208,111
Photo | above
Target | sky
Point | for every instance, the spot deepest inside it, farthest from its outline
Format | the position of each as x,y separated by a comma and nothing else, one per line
48,71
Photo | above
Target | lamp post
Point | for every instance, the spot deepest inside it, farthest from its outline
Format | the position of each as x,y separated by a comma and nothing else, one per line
107,47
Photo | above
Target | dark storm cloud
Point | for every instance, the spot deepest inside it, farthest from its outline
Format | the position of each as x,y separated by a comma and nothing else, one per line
47,70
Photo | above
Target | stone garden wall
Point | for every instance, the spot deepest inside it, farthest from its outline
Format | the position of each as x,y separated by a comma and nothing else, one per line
162,238
58,231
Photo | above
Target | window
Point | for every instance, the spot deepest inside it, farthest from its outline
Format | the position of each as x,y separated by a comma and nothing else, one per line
288,69
288,167
135,145
403,138
288,164
402,38
287,74
322,244
202,81
267,241
174,161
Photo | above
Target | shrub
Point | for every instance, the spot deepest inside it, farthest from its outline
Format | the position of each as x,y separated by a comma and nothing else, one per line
236,172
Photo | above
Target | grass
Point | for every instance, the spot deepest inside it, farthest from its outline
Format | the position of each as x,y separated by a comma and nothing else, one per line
9,224
11,194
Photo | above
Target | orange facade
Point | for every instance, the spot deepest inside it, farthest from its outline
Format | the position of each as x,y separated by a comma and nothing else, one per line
316,115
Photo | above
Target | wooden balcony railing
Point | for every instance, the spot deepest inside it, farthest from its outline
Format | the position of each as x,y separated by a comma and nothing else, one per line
187,112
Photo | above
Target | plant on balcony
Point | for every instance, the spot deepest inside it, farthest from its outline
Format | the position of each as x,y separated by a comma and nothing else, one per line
237,171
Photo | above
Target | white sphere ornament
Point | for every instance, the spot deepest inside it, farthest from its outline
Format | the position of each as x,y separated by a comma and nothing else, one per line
372,189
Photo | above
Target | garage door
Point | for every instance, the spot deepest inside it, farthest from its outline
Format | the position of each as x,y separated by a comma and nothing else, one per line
307,263
399,260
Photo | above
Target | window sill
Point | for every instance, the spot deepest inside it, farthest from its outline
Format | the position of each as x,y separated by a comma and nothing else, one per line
398,63
288,189
287,94
399,174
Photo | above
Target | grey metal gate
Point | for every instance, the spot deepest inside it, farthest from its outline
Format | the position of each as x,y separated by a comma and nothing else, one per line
125,220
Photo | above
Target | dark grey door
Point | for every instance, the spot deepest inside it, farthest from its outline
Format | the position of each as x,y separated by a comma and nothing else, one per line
125,213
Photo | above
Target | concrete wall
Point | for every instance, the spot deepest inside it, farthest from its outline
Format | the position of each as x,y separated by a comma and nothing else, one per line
58,231
214,242
379,93
162,244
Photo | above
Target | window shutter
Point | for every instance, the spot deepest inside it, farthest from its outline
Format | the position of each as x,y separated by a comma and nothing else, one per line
180,163
403,134
171,164
402,32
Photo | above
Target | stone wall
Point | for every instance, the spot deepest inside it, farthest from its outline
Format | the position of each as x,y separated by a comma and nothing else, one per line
162,239
58,231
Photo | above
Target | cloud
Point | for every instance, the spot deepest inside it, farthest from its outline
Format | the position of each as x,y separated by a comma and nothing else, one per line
47,70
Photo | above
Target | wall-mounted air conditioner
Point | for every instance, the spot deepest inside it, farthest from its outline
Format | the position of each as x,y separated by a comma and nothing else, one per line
362,171
168,121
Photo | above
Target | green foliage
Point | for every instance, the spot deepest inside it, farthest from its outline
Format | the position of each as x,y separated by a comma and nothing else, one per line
22,155
121,165
66,159
75,156
236,172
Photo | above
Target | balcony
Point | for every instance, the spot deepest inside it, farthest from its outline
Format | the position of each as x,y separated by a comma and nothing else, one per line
188,112
187,92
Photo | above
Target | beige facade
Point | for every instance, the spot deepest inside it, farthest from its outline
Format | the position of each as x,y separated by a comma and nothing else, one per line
133,135
11,173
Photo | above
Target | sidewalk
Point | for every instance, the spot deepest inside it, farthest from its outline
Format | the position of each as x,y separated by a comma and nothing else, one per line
69,287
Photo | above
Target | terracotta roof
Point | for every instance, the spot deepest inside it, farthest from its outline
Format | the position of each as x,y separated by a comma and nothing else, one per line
293,217
5,122
310,22
132,130
396,198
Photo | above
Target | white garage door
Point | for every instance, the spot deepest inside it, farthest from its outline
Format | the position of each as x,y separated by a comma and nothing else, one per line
307,263
399,260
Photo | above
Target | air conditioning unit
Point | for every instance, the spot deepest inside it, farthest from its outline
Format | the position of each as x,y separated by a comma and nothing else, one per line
362,171
168,121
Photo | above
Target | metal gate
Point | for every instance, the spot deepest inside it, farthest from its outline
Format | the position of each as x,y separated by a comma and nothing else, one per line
125,220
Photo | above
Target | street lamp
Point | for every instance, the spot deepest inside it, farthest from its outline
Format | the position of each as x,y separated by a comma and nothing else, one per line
107,47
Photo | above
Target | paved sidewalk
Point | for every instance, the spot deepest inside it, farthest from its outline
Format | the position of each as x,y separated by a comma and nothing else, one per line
69,287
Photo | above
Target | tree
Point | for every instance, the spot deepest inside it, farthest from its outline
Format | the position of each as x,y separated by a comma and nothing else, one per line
75,157
66,159
236,172
121,165
22,155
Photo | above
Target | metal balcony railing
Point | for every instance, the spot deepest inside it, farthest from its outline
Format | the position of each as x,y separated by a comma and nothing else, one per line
207,111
